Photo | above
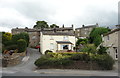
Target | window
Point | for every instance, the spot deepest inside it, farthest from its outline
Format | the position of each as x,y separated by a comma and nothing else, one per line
116,51
65,38
65,47
116,56
51,46
85,32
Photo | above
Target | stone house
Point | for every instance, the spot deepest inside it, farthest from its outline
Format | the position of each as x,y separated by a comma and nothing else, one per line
56,41
34,35
84,31
110,40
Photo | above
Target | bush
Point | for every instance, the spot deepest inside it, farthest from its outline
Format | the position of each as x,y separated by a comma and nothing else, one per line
9,43
105,61
90,48
48,51
12,47
22,45
19,36
102,50
52,61
76,57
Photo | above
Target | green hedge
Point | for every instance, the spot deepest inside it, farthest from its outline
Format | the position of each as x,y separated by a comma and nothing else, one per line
12,47
105,61
52,61
22,45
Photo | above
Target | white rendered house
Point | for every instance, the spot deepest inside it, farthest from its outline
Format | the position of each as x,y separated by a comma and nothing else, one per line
56,41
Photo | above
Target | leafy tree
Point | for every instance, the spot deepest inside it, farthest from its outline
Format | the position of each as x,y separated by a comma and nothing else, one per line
102,50
95,35
41,24
54,26
23,35
90,48
81,41
6,36
22,45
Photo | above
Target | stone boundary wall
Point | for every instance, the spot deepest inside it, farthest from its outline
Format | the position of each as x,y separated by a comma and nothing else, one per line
13,60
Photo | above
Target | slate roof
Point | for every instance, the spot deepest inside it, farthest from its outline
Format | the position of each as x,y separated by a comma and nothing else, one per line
89,26
63,42
115,30
57,33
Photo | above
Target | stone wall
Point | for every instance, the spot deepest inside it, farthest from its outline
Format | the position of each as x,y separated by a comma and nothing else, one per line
12,60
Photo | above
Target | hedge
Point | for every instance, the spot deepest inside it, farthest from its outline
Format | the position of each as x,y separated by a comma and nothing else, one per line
105,62
22,45
45,61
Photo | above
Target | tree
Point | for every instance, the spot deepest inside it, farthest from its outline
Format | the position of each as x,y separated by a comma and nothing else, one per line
6,36
22,45
54,26
23,35
102,50
41,24
81,41
90,48
95,35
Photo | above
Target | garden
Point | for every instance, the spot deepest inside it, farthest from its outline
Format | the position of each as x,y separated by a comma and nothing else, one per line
75,60
14,43
13,48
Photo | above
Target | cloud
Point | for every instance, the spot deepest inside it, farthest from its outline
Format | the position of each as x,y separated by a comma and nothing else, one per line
22,13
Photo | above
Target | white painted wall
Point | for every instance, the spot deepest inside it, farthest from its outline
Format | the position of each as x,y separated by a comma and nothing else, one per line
45,41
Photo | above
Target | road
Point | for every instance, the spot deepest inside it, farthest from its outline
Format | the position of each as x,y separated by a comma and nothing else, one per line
27,68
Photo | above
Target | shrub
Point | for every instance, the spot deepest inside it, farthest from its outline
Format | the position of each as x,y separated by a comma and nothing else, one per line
102,50
104,61
12,47
19,36
76,57
52,61
48,51
22,45
90,48
9,43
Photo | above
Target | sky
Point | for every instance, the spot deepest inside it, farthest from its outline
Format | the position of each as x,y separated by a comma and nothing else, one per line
25,13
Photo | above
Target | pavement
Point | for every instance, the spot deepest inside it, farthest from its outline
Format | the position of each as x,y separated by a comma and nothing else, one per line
27,68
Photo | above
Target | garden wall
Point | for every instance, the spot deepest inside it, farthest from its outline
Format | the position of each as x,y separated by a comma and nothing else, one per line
13,60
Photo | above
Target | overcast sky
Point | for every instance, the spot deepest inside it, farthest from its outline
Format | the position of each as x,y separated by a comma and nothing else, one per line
24,13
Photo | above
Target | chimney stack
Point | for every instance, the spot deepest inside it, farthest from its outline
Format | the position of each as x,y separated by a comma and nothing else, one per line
72,25
63,25
83,26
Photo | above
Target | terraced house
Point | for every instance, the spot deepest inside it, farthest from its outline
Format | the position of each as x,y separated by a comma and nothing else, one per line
35,35
84,31
110,40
